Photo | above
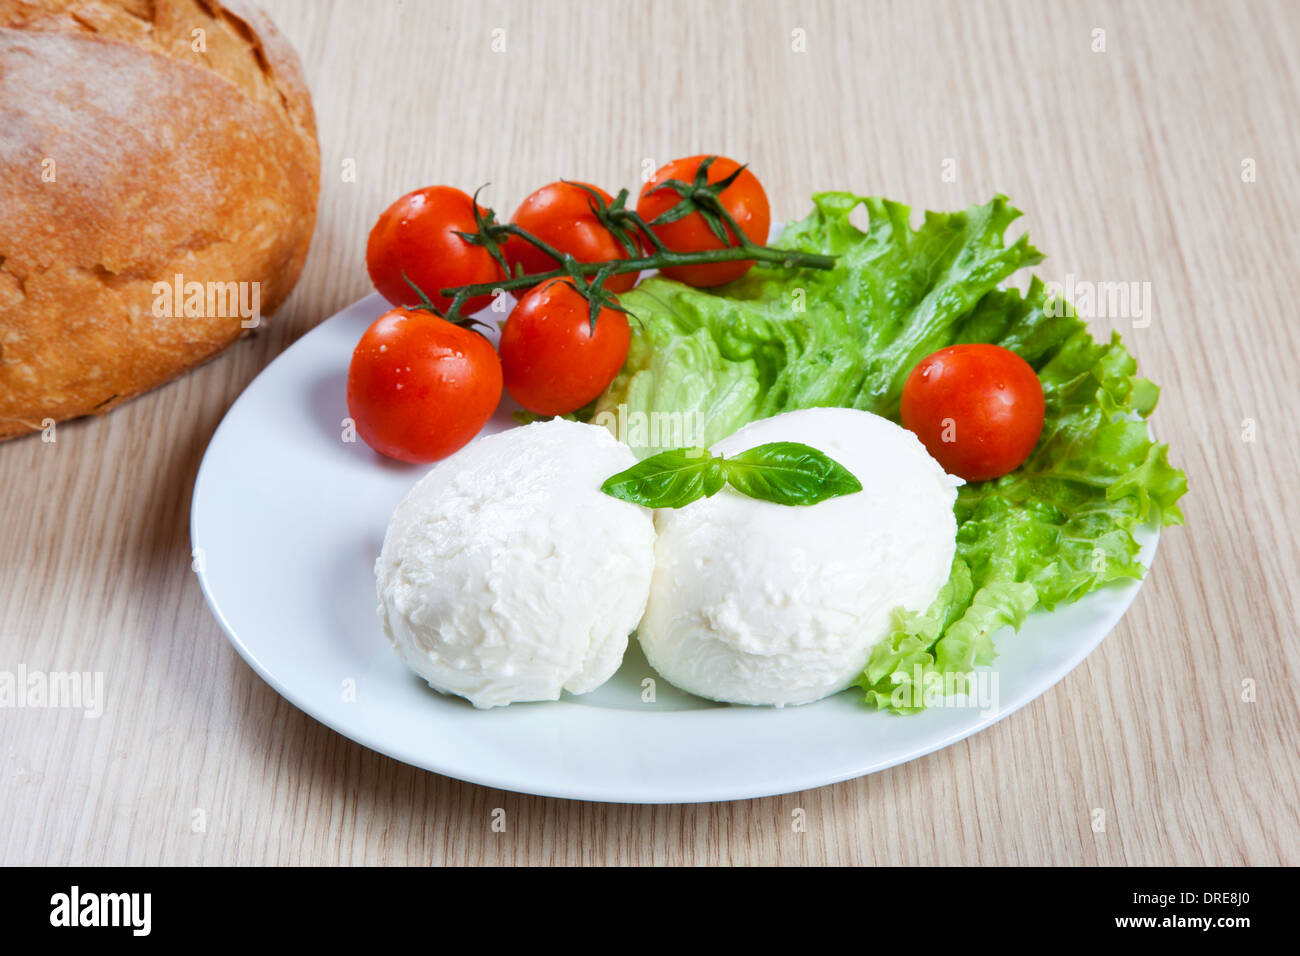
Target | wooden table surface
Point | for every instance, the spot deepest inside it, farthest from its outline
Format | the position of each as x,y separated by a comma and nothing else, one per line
1133,163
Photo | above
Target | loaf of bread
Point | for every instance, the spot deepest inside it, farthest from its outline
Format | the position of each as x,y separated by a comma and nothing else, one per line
159,172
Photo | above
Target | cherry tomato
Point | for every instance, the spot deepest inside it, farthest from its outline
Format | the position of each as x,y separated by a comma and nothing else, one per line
420,387
744,199
552,362
978,409
560,214
417,235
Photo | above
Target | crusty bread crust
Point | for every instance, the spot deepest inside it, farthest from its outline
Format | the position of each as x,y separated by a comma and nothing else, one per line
127,158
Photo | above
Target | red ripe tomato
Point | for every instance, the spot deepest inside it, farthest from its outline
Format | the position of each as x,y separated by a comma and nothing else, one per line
552,362
744,199
560,215
417,235
978,409
420,387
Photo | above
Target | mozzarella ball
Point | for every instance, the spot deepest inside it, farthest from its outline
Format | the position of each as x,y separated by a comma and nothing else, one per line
507,575
759,603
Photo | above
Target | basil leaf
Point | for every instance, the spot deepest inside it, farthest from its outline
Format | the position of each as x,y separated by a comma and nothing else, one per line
670,479
784,472
789,473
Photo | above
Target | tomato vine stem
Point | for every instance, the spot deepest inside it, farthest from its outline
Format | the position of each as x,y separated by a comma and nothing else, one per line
785,258
589,277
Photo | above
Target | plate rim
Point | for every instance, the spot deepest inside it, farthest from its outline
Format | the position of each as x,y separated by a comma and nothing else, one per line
651,795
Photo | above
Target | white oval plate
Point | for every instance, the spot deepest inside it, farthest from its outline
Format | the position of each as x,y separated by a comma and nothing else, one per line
288,518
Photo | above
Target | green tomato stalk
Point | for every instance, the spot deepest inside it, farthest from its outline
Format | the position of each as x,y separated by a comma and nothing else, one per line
625,224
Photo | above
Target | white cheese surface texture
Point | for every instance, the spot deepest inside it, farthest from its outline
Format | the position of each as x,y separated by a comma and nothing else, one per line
507,575
759,603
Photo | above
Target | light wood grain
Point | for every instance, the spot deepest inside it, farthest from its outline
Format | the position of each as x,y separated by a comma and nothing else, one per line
1128,163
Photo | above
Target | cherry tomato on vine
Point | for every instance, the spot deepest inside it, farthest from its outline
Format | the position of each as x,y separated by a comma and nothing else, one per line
420,387
417,235
552,362
560,214
744,199
978,409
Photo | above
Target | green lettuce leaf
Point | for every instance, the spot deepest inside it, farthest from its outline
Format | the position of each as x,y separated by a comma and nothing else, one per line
705,362
1054,529
778,340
